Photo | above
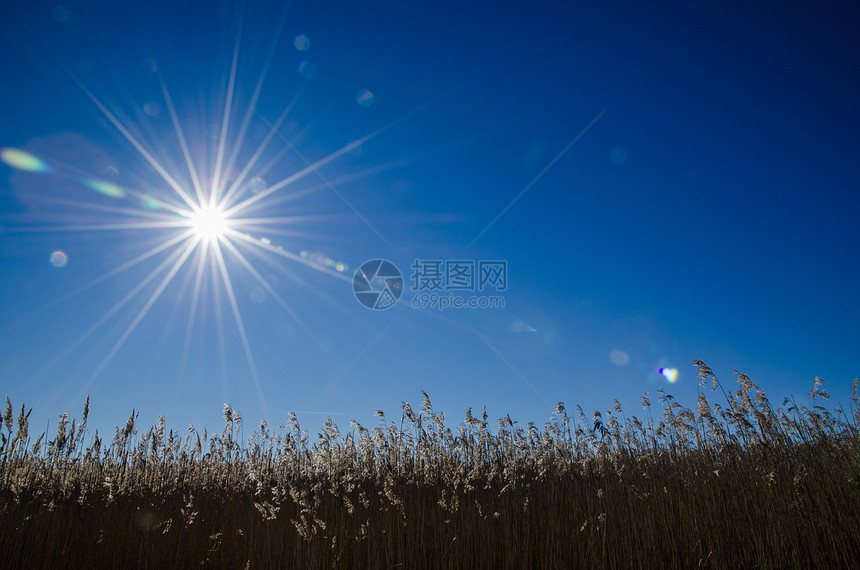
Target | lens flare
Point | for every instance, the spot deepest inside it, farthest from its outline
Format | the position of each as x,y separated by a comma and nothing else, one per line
307,69
671,374
364,98
106,188
257,185
23,160
206,218
302,42
59,258
619,358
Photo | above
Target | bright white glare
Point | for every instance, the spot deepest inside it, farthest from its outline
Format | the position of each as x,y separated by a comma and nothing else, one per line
209,223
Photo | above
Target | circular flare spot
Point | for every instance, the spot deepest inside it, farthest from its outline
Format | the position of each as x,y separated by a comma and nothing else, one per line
257,185
59,259
307,69
302,42
619,358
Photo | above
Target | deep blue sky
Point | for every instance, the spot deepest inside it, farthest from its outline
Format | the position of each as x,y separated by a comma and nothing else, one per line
709,212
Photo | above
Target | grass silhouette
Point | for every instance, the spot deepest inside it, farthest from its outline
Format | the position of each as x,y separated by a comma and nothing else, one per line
742,484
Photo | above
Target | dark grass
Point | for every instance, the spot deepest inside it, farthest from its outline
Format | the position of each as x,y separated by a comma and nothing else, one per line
743,485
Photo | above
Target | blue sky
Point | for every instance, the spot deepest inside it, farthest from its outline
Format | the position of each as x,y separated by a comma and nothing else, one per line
675,182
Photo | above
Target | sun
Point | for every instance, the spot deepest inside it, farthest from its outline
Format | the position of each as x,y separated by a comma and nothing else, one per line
209,223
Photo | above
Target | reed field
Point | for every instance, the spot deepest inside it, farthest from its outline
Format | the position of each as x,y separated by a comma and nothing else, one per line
734,483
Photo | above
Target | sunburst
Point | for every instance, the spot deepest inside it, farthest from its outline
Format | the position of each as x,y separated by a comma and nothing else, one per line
206,224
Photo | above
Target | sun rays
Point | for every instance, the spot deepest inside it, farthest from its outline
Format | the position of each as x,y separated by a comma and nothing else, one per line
208,219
